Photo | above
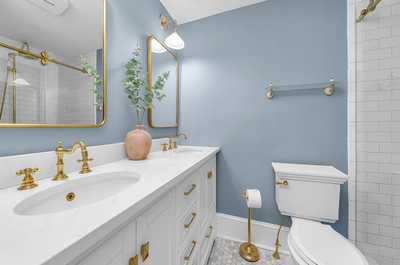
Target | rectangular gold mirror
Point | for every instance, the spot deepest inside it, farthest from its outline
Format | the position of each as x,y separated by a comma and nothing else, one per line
160,59
53,63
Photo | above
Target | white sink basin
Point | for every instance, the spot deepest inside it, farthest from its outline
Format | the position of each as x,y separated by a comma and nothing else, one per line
77,193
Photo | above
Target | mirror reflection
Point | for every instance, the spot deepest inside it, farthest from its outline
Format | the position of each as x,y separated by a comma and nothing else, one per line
161,60
51,63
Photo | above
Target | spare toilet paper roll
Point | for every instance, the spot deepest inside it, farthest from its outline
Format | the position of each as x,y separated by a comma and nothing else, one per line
253,198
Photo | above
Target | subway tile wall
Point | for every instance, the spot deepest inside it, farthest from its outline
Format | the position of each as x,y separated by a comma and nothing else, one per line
374,130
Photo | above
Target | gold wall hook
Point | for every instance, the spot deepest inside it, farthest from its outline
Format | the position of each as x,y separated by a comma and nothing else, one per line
28,182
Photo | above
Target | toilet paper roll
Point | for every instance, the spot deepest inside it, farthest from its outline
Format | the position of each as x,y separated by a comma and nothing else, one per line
253,198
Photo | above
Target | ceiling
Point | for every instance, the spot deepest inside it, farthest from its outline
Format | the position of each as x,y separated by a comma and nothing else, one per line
77,31
189,10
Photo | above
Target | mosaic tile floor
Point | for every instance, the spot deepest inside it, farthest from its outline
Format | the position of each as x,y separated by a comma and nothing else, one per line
226,252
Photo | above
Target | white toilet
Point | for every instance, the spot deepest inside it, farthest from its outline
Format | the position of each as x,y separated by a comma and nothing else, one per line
310,195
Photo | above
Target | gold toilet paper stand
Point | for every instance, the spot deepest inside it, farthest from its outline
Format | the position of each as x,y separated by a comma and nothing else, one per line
248,250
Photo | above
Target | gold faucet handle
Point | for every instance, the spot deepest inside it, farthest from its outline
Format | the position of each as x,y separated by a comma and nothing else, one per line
85,165
27,171
28,181
174,144
164,147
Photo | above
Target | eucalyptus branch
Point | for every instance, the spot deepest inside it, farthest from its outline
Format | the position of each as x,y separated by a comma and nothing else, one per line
140,96
92,72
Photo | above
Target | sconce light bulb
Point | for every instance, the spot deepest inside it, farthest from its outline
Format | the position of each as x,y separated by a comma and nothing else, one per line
174,41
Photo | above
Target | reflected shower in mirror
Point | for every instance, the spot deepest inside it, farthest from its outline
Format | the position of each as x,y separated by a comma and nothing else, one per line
51,63
165,113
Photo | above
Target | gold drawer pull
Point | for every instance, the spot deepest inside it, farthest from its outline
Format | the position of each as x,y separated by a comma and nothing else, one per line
191,221
210,174
211,230
283,183
187,258
187,193
144,251
133,260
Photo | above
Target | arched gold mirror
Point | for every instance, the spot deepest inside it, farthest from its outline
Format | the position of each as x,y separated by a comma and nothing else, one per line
160,59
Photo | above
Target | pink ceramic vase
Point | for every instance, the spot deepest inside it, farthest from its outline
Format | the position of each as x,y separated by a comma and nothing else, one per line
138,143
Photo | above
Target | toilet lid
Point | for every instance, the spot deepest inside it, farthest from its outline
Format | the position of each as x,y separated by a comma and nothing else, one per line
319,244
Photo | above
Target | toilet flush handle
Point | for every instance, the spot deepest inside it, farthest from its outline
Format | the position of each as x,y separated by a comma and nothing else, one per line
283,183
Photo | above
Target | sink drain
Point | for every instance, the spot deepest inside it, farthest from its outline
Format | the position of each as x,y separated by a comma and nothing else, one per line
70,196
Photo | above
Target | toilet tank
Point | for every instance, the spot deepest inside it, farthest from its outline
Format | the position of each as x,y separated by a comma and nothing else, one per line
308,191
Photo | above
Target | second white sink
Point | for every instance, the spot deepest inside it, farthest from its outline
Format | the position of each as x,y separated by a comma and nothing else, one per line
76,193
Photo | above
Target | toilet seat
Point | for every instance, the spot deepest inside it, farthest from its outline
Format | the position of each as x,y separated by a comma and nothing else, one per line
313,243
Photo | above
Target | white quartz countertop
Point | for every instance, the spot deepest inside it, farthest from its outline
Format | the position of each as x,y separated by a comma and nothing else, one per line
57,238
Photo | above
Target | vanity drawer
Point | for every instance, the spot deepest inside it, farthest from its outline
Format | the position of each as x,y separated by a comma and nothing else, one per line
189,253
187,193
187,223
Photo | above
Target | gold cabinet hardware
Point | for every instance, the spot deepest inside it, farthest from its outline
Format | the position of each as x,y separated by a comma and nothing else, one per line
209,174
164,147
144,251
211,230
187,258
191,221
193,187
283,183
134,260
28,181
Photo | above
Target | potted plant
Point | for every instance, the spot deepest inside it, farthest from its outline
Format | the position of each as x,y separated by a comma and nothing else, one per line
141,96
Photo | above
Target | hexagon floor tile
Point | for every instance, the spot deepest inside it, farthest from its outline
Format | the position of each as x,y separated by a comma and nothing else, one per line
226,252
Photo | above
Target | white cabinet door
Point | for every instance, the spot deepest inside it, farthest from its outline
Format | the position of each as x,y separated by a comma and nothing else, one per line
156,233
211,172
116,250
208,191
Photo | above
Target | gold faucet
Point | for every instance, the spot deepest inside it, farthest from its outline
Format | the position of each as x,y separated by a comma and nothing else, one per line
28,182
172,142
61,151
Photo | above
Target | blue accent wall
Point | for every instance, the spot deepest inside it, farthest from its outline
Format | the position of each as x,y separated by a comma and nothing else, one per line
128,22
228,62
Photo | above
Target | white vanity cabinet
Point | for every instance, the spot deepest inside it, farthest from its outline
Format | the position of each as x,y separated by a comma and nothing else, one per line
116,250
177,229
156,236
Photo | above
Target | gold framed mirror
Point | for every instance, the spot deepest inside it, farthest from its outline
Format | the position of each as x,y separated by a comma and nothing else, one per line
53,64
160,59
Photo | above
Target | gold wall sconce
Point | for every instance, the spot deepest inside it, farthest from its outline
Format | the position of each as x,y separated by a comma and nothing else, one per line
174,40
164,22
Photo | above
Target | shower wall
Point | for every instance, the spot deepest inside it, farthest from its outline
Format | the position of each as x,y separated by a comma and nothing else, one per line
55,94
374,130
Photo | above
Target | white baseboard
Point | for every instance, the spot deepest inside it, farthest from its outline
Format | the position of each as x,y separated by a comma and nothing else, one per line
264,234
